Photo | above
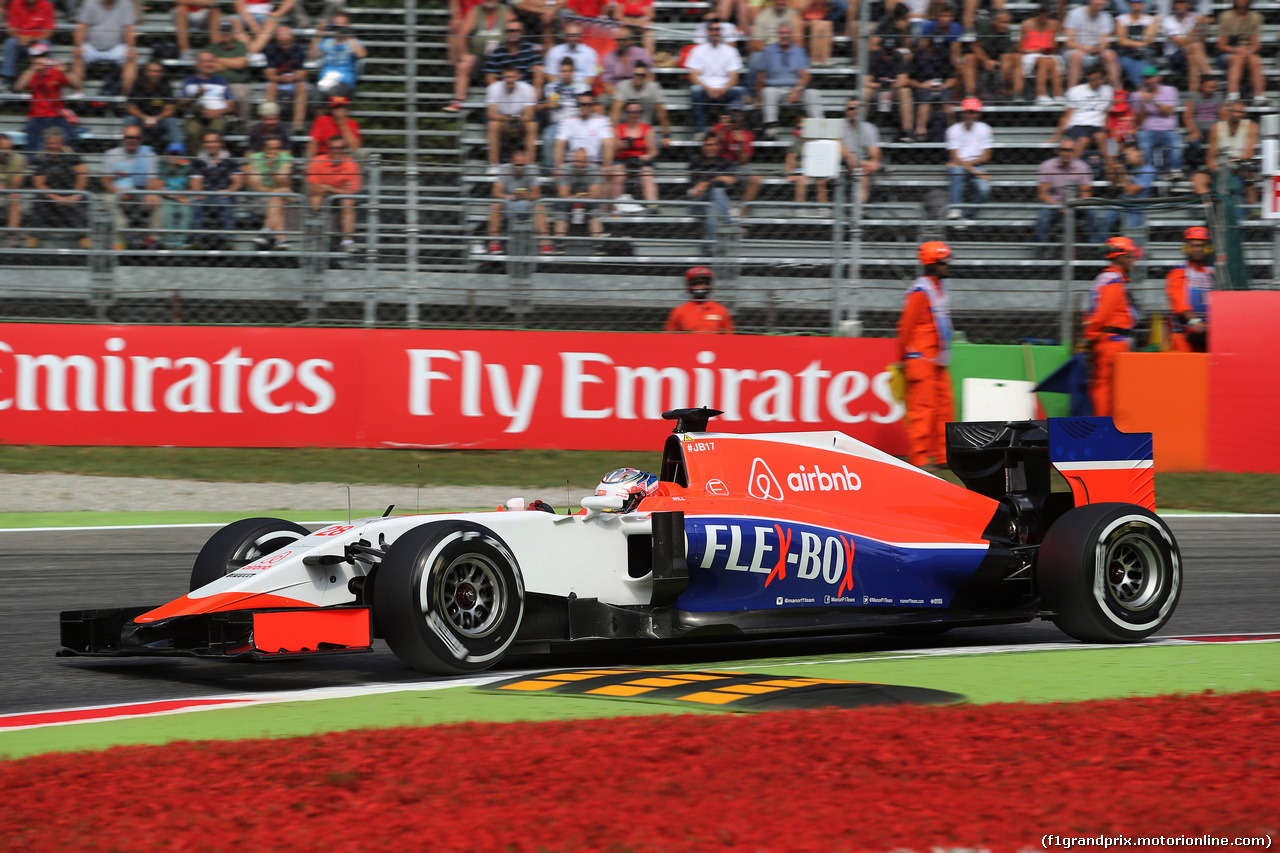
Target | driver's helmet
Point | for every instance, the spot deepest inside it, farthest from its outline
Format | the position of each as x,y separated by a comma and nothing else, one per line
630,484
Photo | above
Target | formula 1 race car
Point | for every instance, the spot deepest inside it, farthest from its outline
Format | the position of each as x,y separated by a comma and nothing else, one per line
736,535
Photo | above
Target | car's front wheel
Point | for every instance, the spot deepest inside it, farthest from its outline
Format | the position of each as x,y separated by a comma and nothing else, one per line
449,597
1111,573
241,543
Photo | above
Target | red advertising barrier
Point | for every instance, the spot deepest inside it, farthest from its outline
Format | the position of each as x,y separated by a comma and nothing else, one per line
266,387
1244,388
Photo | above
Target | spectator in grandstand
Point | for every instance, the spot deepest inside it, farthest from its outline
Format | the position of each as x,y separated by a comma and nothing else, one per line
509,109
62,179
784,79
206,100
257,16
860,146
1203,109
711,177
131,173
713,69
1184,35
995,57
13,173
973,12
579,182
1084,120
1239,48
106,31
286,73
455,44
1121,125
231,48
700,313
889,51
638,15
1038,43
46,79
175,207
924,351
1109,321
592,134
516,53
968,150
27,22
336,173
620,63
645,91
942,28
539,18
200,13
764,28
339,52
335,120
793,170
1055,177
1089,30
151,107
637,151
822,17
215,170
559,102
1136,34
729,34
1188,286
1233,145
932,77
269,127
517,190
586,62
1155,109
1131,177
480,33
270,170
737,145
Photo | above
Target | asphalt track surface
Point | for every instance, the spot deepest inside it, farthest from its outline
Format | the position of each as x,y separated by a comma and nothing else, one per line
1232,584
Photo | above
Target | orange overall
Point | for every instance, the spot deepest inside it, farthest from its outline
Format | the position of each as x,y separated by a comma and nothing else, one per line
1188,287
699,317
924,348
1108,327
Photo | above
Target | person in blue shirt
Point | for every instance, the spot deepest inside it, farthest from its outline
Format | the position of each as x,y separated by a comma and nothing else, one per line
131,173
340,52
784,78
207,100
1132,176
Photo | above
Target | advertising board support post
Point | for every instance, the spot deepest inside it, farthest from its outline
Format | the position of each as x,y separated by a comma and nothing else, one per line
820,158
1271,188
372,221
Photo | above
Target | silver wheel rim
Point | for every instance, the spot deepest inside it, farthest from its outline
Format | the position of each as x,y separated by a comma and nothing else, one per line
1135,570
472,596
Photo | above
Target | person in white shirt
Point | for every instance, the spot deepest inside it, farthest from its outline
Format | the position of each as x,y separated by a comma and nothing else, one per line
559,103
509,104
714,68
586,62
1085,118
1089,32
729,33
588,131
1184,34
968,149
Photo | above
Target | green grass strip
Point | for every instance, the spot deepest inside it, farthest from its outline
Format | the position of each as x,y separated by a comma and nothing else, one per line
1030,676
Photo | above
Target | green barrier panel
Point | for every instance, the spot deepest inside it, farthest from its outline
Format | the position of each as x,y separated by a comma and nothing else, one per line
994,361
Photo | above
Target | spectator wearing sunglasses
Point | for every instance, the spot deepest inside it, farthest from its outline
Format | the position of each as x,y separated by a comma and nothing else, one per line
643,90
714,68
620,64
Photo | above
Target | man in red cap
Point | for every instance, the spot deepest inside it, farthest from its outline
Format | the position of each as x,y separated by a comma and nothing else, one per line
968,150
924,351
699,314
1188,286
1109,321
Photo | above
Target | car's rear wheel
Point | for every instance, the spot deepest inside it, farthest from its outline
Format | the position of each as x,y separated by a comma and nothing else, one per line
1111,573
449,597
241,543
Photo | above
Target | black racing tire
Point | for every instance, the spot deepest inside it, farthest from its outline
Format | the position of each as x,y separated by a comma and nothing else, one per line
1110,572
239,544
449,598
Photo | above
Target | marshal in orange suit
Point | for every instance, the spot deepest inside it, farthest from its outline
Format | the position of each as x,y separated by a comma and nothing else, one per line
699,314
1188,286
924,350
1109,322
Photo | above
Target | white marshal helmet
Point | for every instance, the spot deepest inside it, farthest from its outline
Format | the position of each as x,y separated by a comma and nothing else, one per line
628,484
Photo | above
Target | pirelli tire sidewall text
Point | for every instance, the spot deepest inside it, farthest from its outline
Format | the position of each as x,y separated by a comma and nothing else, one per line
240,543
449,597
1110,572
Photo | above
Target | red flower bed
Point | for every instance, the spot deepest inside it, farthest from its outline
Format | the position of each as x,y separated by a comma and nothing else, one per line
999,777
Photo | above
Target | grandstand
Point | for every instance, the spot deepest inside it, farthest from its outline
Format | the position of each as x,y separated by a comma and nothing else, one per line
422,213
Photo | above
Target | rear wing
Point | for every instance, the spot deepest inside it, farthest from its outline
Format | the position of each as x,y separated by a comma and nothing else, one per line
1100,463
